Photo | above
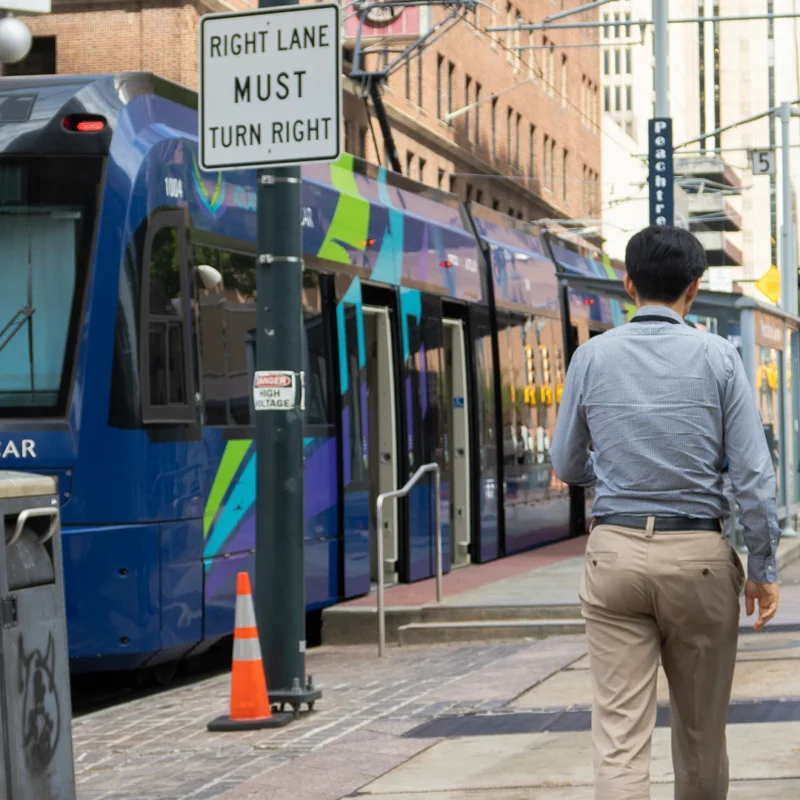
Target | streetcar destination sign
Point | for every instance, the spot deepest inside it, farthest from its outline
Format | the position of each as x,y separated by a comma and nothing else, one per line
270,87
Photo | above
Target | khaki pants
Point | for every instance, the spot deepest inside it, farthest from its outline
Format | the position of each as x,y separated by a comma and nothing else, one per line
673,595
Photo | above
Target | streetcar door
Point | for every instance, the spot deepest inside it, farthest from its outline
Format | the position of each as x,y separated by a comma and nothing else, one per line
422,335
456,413
382,444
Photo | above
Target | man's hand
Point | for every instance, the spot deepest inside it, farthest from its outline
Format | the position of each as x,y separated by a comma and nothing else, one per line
767,596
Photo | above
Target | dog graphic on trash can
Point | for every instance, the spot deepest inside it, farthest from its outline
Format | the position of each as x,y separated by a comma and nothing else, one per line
40,706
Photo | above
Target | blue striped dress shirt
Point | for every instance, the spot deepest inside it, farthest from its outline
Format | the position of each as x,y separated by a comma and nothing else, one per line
649,413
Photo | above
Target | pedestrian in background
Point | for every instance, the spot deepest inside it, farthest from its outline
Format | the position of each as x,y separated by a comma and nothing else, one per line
650,411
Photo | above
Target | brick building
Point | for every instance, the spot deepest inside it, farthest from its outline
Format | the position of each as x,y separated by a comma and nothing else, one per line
532,152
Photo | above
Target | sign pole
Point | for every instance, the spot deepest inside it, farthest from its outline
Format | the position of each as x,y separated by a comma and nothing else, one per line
270,100
661,177
280,520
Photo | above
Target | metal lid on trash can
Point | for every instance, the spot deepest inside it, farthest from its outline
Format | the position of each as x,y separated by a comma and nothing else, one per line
25,484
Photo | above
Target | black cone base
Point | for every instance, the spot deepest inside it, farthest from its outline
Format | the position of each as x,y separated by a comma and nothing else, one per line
227,724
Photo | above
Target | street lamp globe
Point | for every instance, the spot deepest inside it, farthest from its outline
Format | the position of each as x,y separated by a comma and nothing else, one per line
15,40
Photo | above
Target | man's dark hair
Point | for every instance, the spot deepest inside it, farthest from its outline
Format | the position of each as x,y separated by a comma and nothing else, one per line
663,262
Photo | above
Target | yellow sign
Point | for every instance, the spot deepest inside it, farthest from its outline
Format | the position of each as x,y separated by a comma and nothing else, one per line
770,284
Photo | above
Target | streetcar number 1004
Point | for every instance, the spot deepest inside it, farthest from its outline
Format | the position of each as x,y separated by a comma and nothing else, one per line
174,187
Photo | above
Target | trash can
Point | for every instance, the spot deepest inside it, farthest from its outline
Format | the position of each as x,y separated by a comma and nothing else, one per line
35,706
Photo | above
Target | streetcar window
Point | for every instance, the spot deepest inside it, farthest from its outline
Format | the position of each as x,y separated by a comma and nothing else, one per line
166,323
47,214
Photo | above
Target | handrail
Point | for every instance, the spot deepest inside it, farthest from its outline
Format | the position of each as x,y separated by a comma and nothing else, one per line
425,468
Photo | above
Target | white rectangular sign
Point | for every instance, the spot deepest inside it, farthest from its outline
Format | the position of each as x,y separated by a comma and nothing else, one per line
26,6
276,390
270,87
720,279
763,162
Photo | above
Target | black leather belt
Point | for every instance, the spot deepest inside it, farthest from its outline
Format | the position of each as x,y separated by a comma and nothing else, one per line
661,523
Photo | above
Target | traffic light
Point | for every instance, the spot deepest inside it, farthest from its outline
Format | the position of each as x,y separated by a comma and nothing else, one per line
530,365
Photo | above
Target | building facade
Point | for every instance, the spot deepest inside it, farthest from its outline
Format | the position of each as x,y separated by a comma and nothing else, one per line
719,74
528,147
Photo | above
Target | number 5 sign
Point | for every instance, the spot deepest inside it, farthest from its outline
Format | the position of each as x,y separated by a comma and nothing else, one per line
763,162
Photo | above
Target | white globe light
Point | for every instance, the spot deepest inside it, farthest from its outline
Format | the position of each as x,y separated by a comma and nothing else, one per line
15,40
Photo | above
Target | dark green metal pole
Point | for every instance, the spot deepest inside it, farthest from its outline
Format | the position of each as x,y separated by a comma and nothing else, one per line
280,574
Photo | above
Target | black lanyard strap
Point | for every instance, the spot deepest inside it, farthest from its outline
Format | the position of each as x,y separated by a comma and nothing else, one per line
656,318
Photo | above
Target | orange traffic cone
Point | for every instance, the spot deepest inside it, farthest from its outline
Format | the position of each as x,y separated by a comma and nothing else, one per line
250,707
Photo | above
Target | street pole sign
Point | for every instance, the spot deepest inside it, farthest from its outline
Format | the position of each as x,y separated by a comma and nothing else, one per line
662,176
763,162
271,98
270,87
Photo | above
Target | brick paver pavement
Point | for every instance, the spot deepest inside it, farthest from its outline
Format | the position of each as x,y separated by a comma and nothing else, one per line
157,748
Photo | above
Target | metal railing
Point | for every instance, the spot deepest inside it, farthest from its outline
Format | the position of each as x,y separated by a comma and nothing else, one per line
424,469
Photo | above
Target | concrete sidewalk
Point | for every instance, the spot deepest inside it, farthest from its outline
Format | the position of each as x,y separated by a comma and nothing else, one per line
498,720
528,596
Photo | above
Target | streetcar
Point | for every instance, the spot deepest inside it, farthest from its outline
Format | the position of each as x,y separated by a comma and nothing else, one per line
434,331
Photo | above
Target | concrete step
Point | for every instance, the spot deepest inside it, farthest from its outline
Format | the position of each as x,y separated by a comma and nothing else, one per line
456,613
359,624
486,631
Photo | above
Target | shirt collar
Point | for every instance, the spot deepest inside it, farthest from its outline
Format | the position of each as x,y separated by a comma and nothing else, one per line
659,311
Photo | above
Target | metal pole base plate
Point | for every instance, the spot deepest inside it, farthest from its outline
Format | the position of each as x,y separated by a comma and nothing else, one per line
295,698
277,720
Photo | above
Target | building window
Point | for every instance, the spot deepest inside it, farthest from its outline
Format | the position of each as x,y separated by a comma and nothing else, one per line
564,79
531,56
628,61
516,142
629,98
618,61
422,163
607,62
419,80
495,205
618,98
440,178
479,197
552,165
409,163
509,125
494,128
546,162
607,99
40,61
605,29
478,88
439,82
362,142
451,69
467,100
408,79
453,185
469,193
532,153
564,172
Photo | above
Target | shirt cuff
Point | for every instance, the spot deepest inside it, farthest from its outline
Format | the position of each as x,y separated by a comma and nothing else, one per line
761,569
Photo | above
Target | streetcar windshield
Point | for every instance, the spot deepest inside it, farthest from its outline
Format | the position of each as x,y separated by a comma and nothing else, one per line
47,213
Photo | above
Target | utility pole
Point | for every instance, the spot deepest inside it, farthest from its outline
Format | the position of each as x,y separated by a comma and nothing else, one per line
788,264
660,161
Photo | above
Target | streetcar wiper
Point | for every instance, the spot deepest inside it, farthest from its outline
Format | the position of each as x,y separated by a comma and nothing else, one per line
16,322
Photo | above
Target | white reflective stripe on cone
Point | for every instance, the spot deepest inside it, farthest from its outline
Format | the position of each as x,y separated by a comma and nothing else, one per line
245,614
246,650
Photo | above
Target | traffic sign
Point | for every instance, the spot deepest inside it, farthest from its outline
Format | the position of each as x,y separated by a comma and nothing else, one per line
763,162
769,284
270,87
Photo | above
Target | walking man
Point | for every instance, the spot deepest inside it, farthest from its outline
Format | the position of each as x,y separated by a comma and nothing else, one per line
650,411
